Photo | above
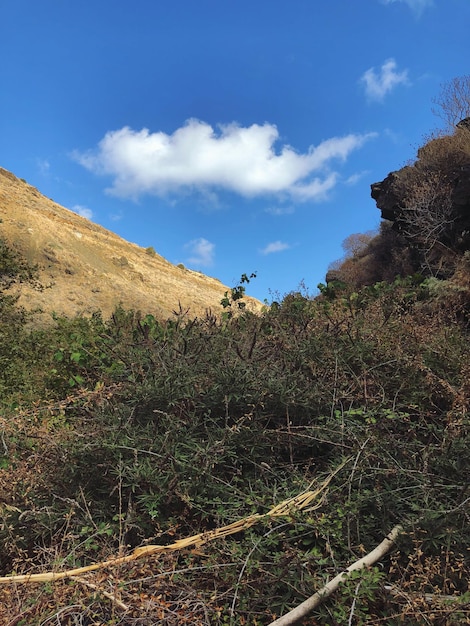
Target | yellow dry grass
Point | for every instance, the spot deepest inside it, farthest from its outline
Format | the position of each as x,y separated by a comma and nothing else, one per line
85,268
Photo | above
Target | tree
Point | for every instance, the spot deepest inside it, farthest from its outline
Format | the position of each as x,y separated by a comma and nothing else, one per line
427,215
354,267
453,102
14,269
356,244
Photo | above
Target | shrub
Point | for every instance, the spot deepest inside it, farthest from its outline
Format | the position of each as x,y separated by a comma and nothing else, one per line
146,431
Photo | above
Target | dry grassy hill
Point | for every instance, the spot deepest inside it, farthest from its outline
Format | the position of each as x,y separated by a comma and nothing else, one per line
85,267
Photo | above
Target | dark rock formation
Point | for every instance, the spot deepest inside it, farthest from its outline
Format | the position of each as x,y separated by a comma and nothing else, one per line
426,211
449,156
390,192
465,123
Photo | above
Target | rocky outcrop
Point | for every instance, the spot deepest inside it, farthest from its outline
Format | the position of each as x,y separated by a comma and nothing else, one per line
390,192
449,158
465,123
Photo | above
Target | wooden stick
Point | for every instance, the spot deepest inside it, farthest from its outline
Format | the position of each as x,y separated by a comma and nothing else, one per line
302,610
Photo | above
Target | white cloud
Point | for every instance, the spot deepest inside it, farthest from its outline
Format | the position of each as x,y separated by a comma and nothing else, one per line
83,211
378,84
355,178
280,210
201,251
417,6
43,166
234,158
275,246
395,137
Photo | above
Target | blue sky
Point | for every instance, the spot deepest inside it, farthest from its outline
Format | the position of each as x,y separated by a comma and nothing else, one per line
233,136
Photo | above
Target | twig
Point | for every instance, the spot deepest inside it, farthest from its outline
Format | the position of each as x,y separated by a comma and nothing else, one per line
245,564
173,572
62,613
353,605
106,594
428,597
356,461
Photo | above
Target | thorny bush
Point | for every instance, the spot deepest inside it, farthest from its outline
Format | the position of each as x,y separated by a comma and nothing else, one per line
134,430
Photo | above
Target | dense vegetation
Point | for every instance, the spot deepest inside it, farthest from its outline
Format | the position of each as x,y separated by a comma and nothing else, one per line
123,432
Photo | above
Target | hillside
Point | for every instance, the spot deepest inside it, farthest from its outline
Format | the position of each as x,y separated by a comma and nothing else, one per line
85,267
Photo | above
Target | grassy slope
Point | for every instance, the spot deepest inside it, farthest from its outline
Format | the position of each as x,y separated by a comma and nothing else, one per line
86,268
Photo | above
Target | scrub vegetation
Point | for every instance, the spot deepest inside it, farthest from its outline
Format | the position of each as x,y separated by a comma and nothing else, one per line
127,431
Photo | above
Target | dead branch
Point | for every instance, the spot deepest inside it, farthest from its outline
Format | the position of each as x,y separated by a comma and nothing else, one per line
303,501
104,593
302,610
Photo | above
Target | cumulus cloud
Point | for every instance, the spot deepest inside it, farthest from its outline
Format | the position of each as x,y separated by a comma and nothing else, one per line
83,211
201,252
240,159
379,84
417,6
275,246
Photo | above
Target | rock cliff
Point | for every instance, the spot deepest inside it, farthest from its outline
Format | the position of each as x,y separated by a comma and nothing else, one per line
445,159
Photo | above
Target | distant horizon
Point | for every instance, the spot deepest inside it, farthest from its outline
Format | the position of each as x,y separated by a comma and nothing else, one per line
232,138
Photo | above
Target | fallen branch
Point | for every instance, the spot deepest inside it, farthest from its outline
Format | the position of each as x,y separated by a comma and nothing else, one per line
301,502
308,605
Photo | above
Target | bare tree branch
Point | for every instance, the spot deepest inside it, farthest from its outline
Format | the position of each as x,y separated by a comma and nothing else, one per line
428,212
301,611
453,103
